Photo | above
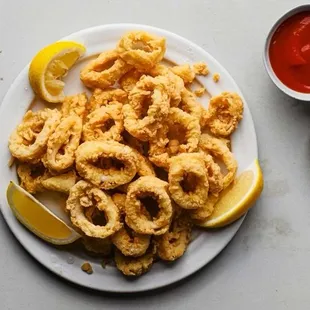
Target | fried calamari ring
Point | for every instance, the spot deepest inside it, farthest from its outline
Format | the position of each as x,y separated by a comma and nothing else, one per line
84,195
189,104
181,128
105,123
62,144
28,141
219,149
203,213
141,49
129,80
174,86
60,183
90,153
224,114
97,246
156,189
135,266
32,176
149,104
184,72
104,97
104,71
173,244
188,180
75,105
215,177
126,240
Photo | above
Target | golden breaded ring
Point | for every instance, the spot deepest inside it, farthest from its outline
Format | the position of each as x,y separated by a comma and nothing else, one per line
129,80
148,186
32,176
84,195
75,105
219,149
104,71
160,149
173,244
203,213
28,141
135,266
105,123
103,97
224,114
91,152
191,166
174,86
141,49
126,240
140,119
60,183
62,144
189,104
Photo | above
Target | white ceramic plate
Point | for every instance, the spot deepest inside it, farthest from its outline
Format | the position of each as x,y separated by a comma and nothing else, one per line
66,263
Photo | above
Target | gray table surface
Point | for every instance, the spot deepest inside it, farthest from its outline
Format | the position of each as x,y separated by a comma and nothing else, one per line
266,264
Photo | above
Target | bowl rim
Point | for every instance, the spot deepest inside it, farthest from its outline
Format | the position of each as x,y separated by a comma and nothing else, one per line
290,92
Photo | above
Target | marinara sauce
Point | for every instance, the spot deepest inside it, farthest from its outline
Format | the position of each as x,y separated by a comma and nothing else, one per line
289,52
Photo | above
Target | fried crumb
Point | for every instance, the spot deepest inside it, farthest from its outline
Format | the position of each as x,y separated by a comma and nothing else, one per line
199,92
216,77
200,68
86,267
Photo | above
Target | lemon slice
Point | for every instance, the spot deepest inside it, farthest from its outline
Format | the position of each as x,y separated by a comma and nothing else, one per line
237,199
37,218
50,65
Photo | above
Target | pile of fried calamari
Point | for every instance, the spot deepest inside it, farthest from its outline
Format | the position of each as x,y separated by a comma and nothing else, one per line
141,160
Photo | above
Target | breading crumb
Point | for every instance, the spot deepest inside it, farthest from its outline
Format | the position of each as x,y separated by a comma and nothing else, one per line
86,267
199,92
200,68
216,77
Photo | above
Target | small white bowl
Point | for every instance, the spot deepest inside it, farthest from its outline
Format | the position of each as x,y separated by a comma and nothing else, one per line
272,75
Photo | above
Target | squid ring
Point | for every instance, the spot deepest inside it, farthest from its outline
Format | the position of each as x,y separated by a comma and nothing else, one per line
129,80
103,97
141,119
105,123
90,153
28,141
141,49
188,180
173,244
148,187
32,176
84,195
104,71
135,266
219,149
189,104
187,141
203,213
224,113
97,246
62,144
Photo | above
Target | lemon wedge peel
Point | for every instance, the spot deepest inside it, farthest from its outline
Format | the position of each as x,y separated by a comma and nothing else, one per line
51,64
244,204
52,230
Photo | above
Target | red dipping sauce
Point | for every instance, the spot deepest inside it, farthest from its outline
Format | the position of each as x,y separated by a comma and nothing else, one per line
289,52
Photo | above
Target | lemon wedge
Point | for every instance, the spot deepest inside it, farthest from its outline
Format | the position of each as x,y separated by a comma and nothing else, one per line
37,218
237,199
50,65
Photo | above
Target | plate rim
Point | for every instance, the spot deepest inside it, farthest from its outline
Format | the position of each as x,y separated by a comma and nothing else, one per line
237,224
